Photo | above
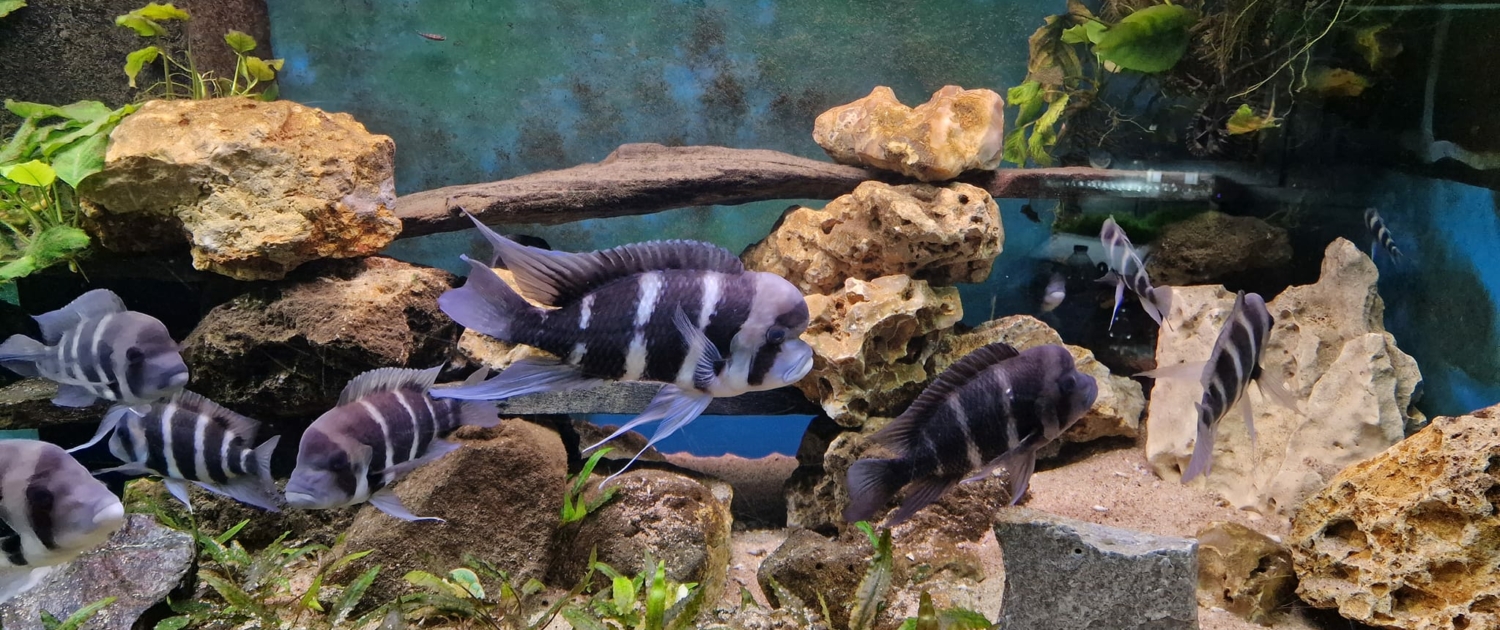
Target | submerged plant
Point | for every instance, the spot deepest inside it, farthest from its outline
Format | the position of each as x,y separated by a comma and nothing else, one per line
930,618
648,601
575,508
461,595
7,6
78,618
181,77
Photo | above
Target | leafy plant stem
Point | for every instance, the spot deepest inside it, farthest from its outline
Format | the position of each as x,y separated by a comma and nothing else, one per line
1303,51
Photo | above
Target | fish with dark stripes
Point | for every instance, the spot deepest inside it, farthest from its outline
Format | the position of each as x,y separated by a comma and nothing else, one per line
993,409
95,349
51,510
191,439
1380,235
1233,363
683,313
385,425
1126,270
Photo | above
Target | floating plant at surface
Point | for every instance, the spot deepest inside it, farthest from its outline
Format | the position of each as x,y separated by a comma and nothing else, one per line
41,165
648,601
181,78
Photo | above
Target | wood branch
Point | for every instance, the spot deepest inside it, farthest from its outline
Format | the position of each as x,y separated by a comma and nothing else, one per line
645,178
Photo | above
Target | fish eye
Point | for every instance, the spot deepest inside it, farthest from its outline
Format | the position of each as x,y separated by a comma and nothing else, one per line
776,335
1066,385
338,464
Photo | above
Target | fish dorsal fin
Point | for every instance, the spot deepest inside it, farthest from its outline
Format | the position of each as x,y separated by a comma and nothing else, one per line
91,305
559,278
239,425
388,379
900,431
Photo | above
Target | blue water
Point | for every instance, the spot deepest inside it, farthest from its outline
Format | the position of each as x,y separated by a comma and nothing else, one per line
746,436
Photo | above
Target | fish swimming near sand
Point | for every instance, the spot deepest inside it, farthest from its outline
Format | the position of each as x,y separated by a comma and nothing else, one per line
683,313
95,349
994,408
190,439
1128,271
385,425
51,510
1380,235
1233,363
1055,292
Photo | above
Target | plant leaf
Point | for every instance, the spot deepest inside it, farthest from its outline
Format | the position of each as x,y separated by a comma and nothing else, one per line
353,594
7,6
138,59
872,590
580,619
1044,133
33,173
1088,32
232,593
226,536
81,159
258,68
77,619
1336,82
1152,39
174,623
1052,62
310,598
26,109
963,619
162,12
468,580
85,111
141,25
1245,120
1015,147
241,42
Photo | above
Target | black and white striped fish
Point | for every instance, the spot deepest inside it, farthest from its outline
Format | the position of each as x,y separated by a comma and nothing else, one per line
190,439
384,426
992,409
51,510
1380,235
1128,271
95,349
1233,363
683,313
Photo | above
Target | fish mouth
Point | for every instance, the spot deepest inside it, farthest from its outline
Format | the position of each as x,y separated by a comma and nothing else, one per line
801,367
301,500
112,515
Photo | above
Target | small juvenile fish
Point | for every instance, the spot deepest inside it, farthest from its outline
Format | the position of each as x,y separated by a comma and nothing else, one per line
1233,363
683,313
1055,293
51,510
190,439
385,425
1381,235
95,349
992,409
1030,213
1127,270
432,36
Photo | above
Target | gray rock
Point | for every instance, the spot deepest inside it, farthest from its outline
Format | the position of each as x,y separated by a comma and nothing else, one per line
27,404
139,565
1067,574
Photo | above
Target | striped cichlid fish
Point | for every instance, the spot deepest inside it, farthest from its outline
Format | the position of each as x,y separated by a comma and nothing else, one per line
385,425
191,439
1126,270
95,349
51,510
994,408
683,313
1380,235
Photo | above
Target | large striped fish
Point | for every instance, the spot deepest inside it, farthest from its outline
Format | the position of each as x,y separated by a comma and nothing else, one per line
1126,270
95,349
51,510
1380,235
1233,363
190,439
385,425
994,408
683,313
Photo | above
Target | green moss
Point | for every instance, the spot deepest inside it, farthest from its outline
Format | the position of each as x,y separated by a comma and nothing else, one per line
1141,229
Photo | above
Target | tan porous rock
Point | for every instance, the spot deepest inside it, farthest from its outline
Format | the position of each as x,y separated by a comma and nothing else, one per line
1353,385
941,234
255,188
1410,538
871,341
1213,246
1244,572
955,131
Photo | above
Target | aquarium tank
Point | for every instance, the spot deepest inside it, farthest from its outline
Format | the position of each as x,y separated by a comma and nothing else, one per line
830,314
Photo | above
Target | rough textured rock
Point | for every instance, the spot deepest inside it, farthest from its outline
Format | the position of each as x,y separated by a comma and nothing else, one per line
27,404
1354,387
941,234
1067,574
149,557
1117,410
1410,538
870,341
1212,246
954,131
501,494
1244,572
256,188
808,566
286,351
757,618
673,518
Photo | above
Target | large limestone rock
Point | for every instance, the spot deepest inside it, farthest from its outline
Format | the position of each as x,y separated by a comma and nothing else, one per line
255,188
287,351
1354,387
501,494
941,234
955,131
1410,538
150,558
1244,572
871,341
1213,246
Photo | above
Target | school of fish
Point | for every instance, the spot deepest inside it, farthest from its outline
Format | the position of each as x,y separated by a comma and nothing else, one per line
684,314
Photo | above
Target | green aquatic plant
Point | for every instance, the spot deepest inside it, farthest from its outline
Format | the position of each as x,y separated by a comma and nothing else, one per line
461,595
78,618
930,618
870,596
181,77
575,508
1141,229
8,6
647,601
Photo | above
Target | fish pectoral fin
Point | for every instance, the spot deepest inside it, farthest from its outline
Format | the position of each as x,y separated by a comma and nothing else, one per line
1203,451
179,490
527,376
106,426
1191,369
1019,463
704,373
386,501
1274,388
1119,299
1248,411
73,396
15,581
920,494
436,450
133,469
673,407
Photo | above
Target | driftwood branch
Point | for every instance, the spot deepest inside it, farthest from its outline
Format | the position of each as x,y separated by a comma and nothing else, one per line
646,178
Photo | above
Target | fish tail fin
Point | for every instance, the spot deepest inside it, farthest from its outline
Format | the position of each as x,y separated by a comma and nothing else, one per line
923,492
872,483
476,413
263,455
487,304
1160,305
18,354
1203,453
